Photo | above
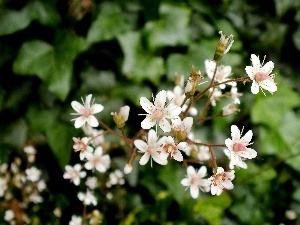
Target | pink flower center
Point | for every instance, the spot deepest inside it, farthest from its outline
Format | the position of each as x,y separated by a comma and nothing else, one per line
85,112
157,115
260,76
219,178
239,147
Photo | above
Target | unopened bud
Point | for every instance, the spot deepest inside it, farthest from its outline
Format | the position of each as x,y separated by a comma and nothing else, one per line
181,135
121,117
193,82
223,46
127,168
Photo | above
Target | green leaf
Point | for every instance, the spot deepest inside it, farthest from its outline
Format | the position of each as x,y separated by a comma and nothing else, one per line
212,208
60,141
109,23
52,64
171,29
269,110
138,63
171,175
16,134
12,21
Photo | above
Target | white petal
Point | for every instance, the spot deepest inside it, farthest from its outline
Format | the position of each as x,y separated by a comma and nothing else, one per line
191,171
202,171
160,99
148,122
164,125
176,123
248,154
144,159
247,137
185,182
254,88
159,159
172,111
268,67
215,189
96,108
88,165
255,62
229,144
88,101
147,105
250,72
182,146
141,145
228,184
235,133
77,106
80,121
194,191
188,123
152,137
92,121
269,85
178,156
210,66
220,170
124,111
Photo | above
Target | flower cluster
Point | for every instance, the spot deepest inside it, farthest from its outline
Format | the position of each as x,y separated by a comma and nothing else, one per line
167,133
28,183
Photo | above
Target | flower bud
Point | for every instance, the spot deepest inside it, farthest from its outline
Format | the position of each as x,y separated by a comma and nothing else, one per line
193,82
223,46
127,168
121,117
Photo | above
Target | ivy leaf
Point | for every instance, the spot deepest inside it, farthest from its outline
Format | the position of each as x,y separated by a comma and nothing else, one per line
52,64
109,23
12,20
171,29
270,110
138,63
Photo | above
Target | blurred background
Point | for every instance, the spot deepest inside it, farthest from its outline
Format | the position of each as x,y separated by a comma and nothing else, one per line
54,52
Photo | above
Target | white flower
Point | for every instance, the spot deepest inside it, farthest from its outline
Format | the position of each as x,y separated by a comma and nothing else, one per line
182,127
98,161
33,174
86,112
215,95
159,112
260,75
151,149
203,153
3,186
229,109
97,135
75,220
82,146
169,147
91,183
115,177
237,148
29,149
235,95
87,198
222,72
221,181
194,181
74,173
9,215
35,198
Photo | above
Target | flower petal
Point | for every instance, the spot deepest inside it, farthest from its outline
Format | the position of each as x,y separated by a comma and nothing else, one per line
141,145
235,133
77,106
152,137
269,85
254,88
250,72
164,125
148,122
92,121
267,68
160,100
96,108
80,121
194,191
147,105
185,182
144,159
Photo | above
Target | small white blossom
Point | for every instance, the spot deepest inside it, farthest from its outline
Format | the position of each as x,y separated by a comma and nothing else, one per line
75,220
159,112
237,149
182,127
35,198
222,72
87,198
82,146
260,75
221,181
151,149
98,161
203,153
86,112
3,186
215,95
74,173
235,95
169,147
229,109
127,168
29,149
115,177
91,183
121,117
33,174
195,181
9,215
